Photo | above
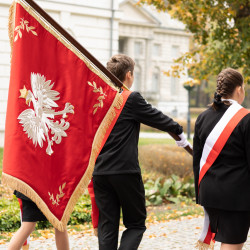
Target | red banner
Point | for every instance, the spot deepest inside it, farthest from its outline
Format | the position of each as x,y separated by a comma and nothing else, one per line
60,109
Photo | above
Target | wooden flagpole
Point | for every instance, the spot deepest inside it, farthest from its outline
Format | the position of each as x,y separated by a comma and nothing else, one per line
99,65
64,33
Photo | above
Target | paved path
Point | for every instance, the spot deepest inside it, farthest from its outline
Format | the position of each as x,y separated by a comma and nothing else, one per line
175,234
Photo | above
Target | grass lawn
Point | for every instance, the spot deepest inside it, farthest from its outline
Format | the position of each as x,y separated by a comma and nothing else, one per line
147,141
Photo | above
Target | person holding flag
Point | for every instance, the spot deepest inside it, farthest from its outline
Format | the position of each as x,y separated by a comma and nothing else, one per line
61,96
117,176
221,164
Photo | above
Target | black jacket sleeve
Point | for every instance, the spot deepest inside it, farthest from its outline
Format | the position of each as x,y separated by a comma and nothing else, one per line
143,112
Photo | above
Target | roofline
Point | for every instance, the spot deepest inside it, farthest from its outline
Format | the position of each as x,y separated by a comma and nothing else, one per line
143,10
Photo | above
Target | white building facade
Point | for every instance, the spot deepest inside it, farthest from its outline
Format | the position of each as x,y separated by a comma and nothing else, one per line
105,27
154,40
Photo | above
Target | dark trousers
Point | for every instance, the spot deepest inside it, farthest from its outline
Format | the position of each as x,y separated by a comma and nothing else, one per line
113,192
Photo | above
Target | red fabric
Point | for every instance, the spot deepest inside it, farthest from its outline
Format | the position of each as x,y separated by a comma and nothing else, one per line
95,210
46,55
21,206
221,141
210,236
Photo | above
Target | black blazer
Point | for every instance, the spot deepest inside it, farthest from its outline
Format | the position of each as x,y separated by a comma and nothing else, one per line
226,185
120,153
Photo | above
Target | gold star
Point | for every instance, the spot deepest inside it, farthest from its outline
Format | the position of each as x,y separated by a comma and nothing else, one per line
24,92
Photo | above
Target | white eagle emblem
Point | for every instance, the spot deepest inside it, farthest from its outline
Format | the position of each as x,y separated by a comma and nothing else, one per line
38,123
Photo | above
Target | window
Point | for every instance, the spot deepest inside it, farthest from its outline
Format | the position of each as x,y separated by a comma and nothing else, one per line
174,85
137,79
156,50
155,80
138,49
175,52
122,45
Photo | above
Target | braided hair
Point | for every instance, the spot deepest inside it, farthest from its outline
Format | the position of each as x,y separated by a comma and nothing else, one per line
227,80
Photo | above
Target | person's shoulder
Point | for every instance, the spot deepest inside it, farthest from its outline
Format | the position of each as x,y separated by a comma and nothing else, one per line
134,98
246,120
135,95
205,113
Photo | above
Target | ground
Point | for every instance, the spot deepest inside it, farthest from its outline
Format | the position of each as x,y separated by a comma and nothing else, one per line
179,234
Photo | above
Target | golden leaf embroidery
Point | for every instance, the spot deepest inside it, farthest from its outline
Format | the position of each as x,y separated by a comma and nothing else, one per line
100,98
55,201
23,25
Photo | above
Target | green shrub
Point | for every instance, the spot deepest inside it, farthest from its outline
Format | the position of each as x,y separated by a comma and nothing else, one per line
82,211
173,189
10,214
164,160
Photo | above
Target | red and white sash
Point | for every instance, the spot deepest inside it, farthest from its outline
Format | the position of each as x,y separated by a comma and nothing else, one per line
212,148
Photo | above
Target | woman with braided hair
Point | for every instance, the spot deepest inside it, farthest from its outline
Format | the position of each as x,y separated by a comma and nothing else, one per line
221,165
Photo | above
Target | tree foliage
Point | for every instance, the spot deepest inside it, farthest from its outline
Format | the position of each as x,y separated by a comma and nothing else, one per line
221,34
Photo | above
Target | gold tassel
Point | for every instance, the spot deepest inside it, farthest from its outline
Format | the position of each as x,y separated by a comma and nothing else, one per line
24,188
84,182
97,142
25,247
11,24
96,231
203,246
99,137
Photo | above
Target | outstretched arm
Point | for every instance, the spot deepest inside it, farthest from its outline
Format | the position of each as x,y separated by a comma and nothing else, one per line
144,112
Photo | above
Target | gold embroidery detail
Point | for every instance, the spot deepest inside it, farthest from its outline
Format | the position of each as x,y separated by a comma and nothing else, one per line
58,196
66,43
24,25
97,143
100,98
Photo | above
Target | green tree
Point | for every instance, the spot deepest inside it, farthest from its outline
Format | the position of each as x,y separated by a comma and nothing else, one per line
221,34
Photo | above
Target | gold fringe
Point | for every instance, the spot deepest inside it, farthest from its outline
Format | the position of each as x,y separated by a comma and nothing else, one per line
25,247
96,145
24,188
96,232
66,43
203,246
100,135
84,182
11,25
